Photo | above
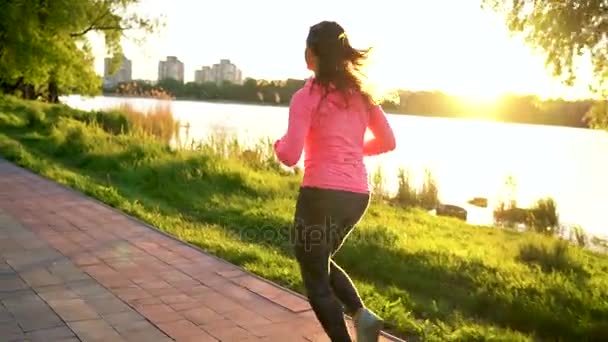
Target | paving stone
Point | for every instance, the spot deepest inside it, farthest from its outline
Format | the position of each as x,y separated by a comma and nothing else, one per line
11,331
94,330
292,302
121,319
56,292
227,333
38,319
202,315
73,310
246,318
145,334
175,299
5,316
39,277
107,304
159,313
192,304
87,288
67,271
61,333
12,283
183,330
219,303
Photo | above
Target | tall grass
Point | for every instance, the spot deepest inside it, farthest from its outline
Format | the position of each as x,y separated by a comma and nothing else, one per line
378,184
408,194
554,256
157,121
431,278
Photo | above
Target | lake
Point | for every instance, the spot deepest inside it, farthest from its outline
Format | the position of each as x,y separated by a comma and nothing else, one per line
468,158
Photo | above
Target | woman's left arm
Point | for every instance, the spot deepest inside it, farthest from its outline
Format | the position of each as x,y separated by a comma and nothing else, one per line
289,148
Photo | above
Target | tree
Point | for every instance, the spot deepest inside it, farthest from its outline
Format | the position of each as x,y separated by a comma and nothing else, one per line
567,32
44,44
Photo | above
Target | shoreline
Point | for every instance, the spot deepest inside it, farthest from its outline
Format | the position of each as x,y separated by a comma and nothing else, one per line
430,116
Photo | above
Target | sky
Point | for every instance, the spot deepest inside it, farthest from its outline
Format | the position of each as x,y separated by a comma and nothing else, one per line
446,45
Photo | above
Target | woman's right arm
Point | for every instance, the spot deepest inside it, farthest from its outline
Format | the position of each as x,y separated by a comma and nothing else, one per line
384,138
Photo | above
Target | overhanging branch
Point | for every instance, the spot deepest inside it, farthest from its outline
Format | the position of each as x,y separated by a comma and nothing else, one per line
100,28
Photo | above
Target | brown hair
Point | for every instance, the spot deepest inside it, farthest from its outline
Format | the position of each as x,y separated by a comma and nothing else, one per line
338,63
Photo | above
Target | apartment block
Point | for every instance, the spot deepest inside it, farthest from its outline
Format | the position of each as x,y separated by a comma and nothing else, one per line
224,71
122,75
171,68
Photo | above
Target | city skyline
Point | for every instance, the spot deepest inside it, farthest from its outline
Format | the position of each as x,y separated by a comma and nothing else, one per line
173,68
220,72
459,49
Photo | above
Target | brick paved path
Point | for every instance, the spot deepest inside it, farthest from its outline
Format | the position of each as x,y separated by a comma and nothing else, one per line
72,269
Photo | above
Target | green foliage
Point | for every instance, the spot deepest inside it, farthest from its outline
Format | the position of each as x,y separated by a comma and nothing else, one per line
432,278
429,194
256,91
556,256
510,108
544,215
44,46
567,32
598,115
378,184
408,195
114,121
579,236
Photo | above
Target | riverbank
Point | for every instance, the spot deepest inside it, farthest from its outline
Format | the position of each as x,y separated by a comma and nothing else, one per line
438,279
251,103
566,119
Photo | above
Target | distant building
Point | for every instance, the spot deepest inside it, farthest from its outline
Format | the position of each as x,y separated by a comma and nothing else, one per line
224,71
208,74
172,68
198,76
123,74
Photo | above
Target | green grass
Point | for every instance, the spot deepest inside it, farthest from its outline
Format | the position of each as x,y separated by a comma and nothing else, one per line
437,279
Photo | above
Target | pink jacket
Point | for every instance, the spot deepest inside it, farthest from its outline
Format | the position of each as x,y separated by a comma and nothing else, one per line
331,133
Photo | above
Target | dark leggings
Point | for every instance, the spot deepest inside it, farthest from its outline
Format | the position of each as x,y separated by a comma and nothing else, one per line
323,220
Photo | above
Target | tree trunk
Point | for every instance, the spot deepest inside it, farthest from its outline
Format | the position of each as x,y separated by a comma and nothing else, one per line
53,96
28,92
10,88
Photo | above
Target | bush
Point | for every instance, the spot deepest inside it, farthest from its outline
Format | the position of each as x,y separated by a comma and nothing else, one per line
544,217
12,120
510,216
553,257
114,122
35,116
73,138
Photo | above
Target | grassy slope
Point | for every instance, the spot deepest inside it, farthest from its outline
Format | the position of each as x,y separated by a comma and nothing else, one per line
436,278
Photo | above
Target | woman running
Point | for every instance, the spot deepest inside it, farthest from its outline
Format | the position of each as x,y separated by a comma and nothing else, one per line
328,119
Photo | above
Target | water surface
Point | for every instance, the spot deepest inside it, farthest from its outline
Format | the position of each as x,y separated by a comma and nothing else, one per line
469,158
